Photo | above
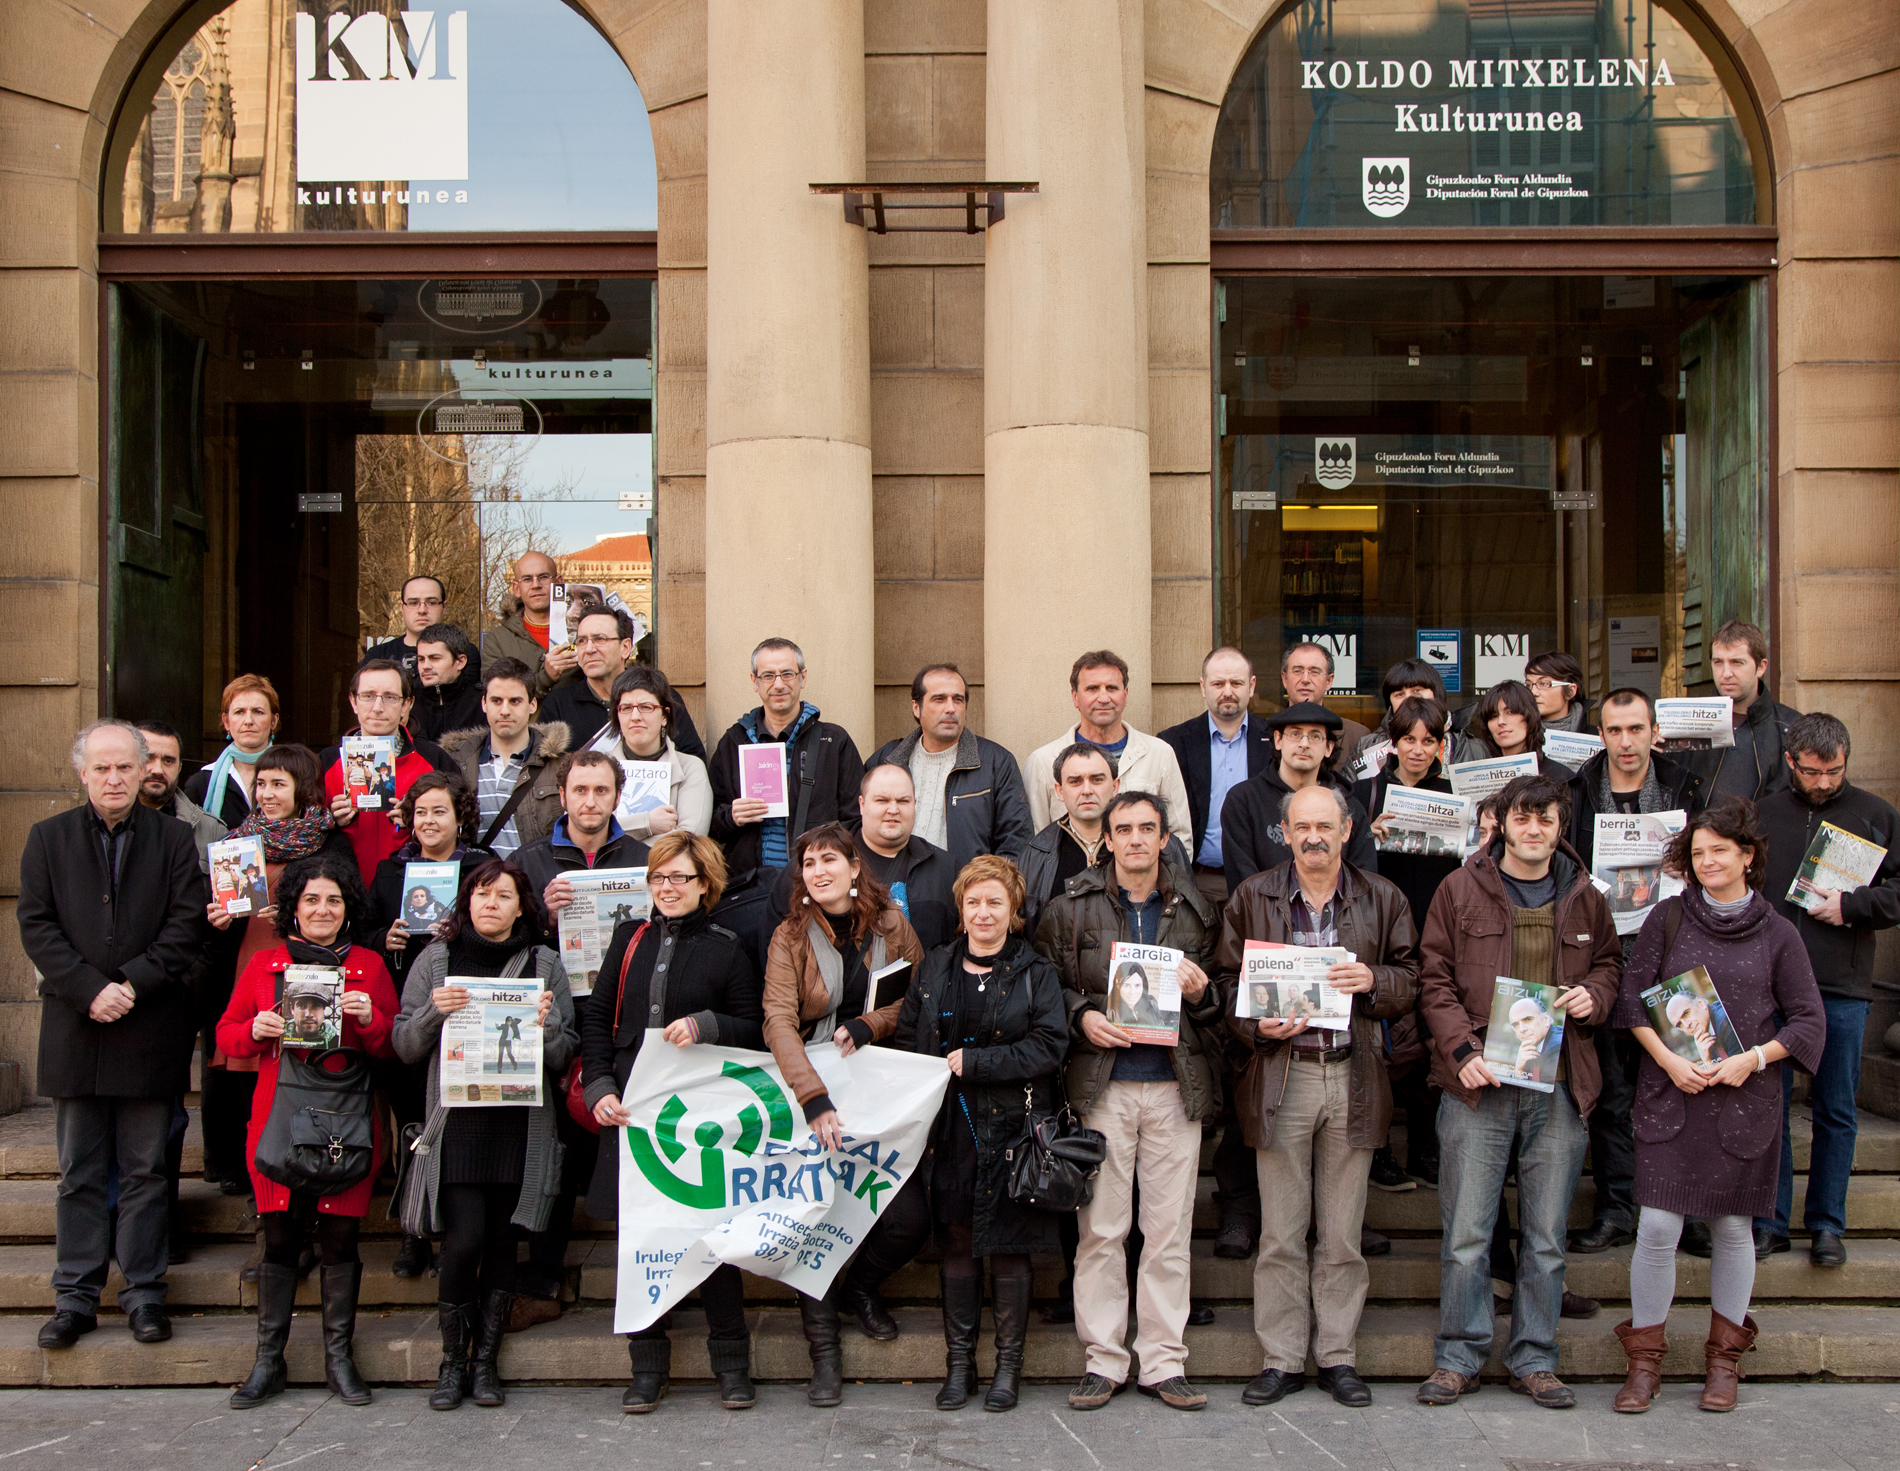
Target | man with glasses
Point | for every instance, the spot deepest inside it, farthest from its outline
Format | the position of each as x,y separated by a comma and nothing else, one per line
524,633
1556,681
1305,736
1837,925
380,695
603,643
1306,674
423,598
822,767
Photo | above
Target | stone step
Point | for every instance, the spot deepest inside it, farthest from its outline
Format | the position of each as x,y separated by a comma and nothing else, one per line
1394,1343
27,1149
209,1280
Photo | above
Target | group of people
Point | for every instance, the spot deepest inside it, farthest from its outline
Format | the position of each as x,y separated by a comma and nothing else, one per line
1006,888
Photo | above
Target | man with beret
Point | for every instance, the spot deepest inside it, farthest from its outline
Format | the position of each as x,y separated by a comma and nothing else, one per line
1305,737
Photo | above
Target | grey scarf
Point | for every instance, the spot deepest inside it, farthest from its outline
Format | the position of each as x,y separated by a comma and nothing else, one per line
1652,798
831,967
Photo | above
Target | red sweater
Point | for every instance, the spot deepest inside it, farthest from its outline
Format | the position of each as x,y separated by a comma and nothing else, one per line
374,834
256,991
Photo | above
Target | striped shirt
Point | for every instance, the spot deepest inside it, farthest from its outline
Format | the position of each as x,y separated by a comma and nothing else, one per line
1317,932
495,781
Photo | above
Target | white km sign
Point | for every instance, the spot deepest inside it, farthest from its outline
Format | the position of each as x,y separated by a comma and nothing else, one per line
382,97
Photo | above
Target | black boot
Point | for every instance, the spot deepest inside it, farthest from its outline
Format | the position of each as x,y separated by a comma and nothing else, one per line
340,1284
732,1365
859,1290
819,1315
276,1298
650,1359
457,1320
1009,1302
962,1311
484,1378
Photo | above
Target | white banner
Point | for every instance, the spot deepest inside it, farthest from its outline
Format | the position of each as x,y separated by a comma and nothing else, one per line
719,1166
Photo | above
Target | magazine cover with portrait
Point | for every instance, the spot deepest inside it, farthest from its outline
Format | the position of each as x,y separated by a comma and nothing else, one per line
1525,1041
428,893
310,1000
237,875
1144,992
1285,983
1691,1020
369,771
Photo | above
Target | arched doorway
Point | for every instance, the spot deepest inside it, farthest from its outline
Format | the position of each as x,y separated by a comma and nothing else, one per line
377,300
1494,302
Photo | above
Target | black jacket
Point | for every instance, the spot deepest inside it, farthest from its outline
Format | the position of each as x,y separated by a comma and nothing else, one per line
1189,740
1250,827
1417,875
1681,784
985,807
79,937
546,859
440,709
1842,954
823,772
1768,722
709,977
232,807
385,904
396,650
926,874
1038,864
1025,1029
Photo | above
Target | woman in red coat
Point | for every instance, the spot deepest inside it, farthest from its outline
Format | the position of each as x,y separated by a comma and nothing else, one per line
319,900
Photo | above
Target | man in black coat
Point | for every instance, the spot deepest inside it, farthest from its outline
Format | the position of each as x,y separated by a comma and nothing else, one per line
1305,736
822,767
1217,751
112,915
449,672
1754,766
1837,925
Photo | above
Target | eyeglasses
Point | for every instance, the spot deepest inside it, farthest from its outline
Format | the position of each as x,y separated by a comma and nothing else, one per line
422,602
535,579
646,709
1545,686
672,880
1815,773
369,697
777,676
596,640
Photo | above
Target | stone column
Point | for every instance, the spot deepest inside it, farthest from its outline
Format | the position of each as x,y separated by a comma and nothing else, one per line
788,376
1065,461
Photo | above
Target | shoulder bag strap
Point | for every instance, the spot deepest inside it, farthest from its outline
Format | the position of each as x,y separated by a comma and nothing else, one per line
1672,926
626,964
804,795
515,799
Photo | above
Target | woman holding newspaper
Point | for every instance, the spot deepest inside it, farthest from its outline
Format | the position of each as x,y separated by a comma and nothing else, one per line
1507,722
1708,1135
695,980
481,1168
319,902
840,929
639,735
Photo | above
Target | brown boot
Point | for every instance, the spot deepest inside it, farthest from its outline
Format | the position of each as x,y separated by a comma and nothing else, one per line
1644,1348
1727,1343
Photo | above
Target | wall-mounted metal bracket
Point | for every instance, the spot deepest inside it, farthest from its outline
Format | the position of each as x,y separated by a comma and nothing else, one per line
872,204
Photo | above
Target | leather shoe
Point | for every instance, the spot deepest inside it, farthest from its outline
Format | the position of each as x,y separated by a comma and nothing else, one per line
1768,1244
1175,1393
1371,1243
1696,1240
65,1328
1601,1236
149,1324
1270,1386
1236,1239
1576,1305
1827,1250
1344,1385
1199,1315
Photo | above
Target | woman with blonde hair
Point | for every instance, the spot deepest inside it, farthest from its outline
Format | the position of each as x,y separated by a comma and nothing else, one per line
993,1009
840,928
708,994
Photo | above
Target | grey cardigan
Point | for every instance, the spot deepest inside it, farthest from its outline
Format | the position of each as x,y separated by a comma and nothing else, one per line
415,1036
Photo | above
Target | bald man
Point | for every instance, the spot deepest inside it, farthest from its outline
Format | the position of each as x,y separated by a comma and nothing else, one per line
524,635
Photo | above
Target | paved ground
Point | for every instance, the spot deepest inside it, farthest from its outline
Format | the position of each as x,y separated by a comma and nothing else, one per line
1779,1427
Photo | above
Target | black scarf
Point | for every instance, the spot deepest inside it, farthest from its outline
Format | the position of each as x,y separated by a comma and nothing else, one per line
308,952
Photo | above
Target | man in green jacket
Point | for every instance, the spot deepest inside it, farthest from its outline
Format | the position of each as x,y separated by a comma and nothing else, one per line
524,633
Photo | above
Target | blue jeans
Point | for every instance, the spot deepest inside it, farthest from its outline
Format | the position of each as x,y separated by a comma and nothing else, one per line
1836,1124
1475,1147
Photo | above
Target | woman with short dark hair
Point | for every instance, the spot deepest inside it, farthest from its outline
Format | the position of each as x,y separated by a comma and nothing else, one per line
1507,722
480,1172
319,901
1708,1135
710,995
1555,680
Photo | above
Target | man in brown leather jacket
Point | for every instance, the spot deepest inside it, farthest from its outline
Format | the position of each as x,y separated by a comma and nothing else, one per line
1522,909
1315,1103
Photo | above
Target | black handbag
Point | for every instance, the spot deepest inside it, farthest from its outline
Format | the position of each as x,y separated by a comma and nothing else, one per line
320,1135
1054,1165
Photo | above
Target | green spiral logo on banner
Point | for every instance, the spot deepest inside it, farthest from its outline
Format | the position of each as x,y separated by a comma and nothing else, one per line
709,1191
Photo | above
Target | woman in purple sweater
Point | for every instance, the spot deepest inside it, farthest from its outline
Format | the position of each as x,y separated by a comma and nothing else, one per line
1708,1135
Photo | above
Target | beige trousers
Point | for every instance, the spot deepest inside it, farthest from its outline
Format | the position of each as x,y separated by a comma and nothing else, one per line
1309,1145
1150,1139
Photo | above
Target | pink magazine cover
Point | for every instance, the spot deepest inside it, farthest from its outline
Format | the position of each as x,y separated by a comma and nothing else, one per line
762,777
